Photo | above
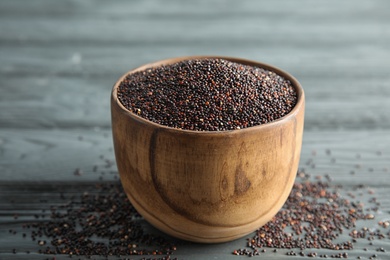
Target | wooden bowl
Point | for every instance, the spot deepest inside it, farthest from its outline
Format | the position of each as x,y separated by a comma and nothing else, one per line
206,186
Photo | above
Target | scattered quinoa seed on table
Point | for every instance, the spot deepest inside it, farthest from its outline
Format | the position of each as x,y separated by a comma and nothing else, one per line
207,95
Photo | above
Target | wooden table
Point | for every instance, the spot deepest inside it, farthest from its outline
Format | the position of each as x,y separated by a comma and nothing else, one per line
59,60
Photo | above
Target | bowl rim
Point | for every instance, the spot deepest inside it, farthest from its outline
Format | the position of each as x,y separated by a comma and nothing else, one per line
295,83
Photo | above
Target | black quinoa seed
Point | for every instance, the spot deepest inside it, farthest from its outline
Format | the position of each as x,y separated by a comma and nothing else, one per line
98,223
313,217
207,95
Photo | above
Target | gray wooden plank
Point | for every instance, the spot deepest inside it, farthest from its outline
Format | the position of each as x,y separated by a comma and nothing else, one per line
54,155
187,8
102,22
69,31
350,62
27,200
47,102
77,102
39,84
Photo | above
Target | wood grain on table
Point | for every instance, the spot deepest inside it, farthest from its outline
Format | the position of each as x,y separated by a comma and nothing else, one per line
59,60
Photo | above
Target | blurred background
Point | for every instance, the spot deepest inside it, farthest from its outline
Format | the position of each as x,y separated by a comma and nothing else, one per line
338,50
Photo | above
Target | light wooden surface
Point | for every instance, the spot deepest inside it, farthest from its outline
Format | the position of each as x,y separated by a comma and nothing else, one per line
59,60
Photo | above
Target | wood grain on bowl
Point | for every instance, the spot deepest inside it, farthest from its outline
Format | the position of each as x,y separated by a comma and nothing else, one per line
207,186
